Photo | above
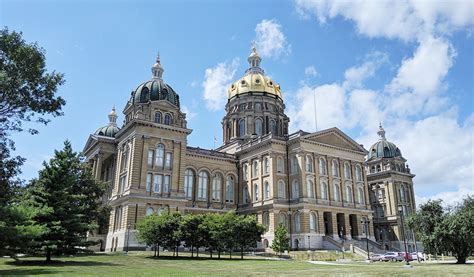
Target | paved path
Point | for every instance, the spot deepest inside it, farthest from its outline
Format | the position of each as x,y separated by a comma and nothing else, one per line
329,263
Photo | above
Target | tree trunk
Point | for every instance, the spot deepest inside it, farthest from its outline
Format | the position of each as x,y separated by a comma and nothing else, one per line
158,250
192,251
197,251
211,253
48,254
177,249
241,253
461,260
154,254
219,254
230,254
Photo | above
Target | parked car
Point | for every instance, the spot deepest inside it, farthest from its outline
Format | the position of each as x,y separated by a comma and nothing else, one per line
402,254
392,256
376,257
420,255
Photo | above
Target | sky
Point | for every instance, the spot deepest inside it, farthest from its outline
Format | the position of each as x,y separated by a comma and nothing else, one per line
408,64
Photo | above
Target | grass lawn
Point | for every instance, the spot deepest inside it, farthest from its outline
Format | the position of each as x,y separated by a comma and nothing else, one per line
140,263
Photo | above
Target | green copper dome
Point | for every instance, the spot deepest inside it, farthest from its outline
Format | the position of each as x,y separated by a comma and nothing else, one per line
383,148
111,129
155,89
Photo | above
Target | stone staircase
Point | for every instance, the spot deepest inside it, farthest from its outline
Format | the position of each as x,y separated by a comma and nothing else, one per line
355,246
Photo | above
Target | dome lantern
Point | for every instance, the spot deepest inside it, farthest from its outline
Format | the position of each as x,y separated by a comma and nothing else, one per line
113,117
381,132
111,129
383,148
254,61
157,70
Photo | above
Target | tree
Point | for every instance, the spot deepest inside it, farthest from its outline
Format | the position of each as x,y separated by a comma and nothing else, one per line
172,236
247,231
214,228
65,186
191,232
151,231
281,241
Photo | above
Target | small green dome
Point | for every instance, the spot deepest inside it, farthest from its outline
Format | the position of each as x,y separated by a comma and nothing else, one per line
153,90
107,131
383,148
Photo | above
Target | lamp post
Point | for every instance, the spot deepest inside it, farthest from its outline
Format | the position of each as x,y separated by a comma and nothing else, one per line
128,237
366,222
400,211
309,242
341,234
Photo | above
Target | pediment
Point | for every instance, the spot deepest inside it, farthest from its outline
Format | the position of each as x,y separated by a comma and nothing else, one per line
335,137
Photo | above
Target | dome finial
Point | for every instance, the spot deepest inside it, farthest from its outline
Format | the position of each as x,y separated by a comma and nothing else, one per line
113,117
157,70
381,132
254,60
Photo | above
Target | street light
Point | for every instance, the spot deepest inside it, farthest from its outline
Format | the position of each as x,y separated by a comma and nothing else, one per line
128,237
341,234
400,211
366,222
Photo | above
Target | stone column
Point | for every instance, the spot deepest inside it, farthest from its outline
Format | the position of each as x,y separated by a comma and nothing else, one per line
98,166
347,227
335,235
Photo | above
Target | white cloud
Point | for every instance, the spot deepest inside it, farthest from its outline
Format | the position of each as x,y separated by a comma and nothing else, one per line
189,114
310,71
216,82
357,74
270,39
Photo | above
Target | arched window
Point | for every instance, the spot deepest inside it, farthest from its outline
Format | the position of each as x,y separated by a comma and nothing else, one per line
282,219
294,165
258,106
188,183
159,211
402,193
242,127
245,172
358,173
324,190
255,192
258,127
322,166
229,190
295,190
245,193
309,164
255,169
280,165
297,223
160,155
266,165
312,222
281,189
266,219
267,190
273,127
337,192
168,119
149,211
350,199
360,196
310,188
217,187
203,185
335,168
347,171
157,117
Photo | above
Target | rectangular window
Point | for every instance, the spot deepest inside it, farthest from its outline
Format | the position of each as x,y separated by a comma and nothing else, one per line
157,181
166,184
149,178
122,182
168,160
150,157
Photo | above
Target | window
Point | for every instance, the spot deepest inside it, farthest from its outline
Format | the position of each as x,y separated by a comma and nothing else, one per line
266,165
242,107
402,193
203,184
229,190
122,182
335,168
273,127
151,153
337,192
350,199
245,172
322,166
216,187
280,165
166,184
242,127
258,127
149,178
281,189
255,169
324,190
347,171
124,160
255,192
258,106
160,153
358,173
360,195
310,188
188,183
297,223
159,211
157,117
282,219
294,165
312,222
168,119
169,157
157,181
246,195
295,189
266,219
149,211
309,164
267,190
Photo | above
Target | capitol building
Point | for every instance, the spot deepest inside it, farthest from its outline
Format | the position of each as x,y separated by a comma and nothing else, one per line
327,189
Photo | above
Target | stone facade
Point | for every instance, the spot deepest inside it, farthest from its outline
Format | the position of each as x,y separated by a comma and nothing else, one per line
317,184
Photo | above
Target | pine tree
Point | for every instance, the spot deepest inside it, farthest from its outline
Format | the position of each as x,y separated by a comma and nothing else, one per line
66,187
281,242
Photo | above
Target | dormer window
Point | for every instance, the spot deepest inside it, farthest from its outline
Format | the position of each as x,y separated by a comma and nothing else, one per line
168,119
157,117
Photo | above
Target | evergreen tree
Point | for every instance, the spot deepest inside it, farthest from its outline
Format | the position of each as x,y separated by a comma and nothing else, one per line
281,241
67,188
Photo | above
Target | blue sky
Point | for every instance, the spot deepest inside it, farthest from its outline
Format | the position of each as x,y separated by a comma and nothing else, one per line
406,63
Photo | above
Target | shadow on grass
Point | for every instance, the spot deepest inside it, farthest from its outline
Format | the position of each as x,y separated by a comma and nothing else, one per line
23,272
58,263
185,258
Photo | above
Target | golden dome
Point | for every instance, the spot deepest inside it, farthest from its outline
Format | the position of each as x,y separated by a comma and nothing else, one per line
254,82
254,79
